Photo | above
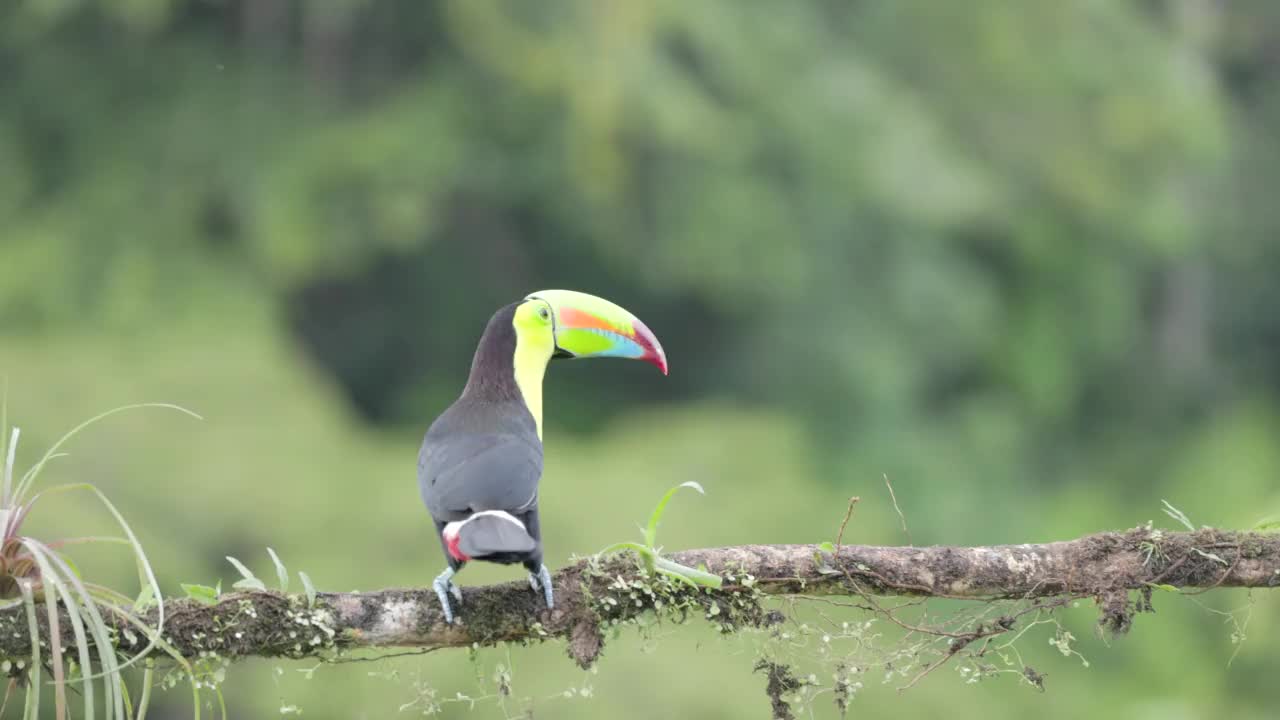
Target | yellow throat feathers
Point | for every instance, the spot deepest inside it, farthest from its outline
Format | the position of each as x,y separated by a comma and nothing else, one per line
534,344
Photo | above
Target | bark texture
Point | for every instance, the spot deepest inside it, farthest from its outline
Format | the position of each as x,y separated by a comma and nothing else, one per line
594,593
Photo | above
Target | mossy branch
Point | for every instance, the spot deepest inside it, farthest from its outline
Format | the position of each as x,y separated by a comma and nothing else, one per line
595,592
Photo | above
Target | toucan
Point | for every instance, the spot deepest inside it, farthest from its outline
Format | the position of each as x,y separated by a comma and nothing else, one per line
481,460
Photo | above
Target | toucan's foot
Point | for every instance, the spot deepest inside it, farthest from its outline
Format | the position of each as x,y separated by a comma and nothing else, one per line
443,585
542,580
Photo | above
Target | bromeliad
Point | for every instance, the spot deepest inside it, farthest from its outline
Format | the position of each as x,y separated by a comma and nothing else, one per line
481,460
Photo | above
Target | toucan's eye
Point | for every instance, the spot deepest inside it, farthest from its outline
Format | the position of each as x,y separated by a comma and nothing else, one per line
544,313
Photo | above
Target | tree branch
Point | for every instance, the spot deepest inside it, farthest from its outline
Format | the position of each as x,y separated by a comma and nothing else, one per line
597,592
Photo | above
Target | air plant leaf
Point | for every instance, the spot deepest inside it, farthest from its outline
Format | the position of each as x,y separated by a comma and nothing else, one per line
10,453
281,573
308,588
74,569
32,709
1178,515
245,572
73,602
113,684
146,575
51,587
57,578
30,476
4,413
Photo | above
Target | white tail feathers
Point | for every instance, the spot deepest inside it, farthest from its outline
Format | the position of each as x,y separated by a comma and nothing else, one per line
454,528
489,533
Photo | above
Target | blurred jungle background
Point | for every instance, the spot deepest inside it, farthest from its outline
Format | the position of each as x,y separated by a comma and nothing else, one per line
1020,258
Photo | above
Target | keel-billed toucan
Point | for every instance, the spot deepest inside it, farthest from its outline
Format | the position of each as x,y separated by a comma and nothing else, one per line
481,460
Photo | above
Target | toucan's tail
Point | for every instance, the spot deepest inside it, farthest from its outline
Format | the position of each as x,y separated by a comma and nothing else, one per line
494,535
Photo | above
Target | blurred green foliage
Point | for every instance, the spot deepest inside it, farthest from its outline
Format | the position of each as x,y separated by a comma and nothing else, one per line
1020,257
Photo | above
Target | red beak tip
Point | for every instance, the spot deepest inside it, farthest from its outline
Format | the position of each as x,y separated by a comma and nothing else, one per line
660,360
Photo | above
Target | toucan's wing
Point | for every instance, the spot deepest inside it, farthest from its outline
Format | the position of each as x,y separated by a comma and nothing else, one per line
463,472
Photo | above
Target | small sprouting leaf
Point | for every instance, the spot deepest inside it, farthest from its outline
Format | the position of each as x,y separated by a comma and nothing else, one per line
145,599
244,571
1270,522
1162,586
679,576
201,593
308,588
74,569
827,547
626,546
700,577
249,583
281,572
651,532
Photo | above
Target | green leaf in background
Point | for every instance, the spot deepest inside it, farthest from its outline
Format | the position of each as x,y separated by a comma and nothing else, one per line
1268,523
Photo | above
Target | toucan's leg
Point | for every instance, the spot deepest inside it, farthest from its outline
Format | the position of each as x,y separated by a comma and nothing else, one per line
542,580
443,585
539,576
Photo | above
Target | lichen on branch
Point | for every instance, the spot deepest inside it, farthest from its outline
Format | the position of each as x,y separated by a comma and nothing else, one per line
597,593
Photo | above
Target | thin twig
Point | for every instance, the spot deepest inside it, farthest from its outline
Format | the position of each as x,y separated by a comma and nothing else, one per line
847,514
901,517
933,666
376,658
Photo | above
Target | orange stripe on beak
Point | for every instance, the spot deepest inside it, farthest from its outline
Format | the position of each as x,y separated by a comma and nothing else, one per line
575,318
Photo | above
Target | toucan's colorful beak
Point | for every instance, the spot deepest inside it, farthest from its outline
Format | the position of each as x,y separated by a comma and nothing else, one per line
589,326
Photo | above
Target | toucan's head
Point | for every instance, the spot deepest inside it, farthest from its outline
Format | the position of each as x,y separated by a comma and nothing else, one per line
577,325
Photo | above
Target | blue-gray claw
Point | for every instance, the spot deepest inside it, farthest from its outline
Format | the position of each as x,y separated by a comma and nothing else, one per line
443,585
542,581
